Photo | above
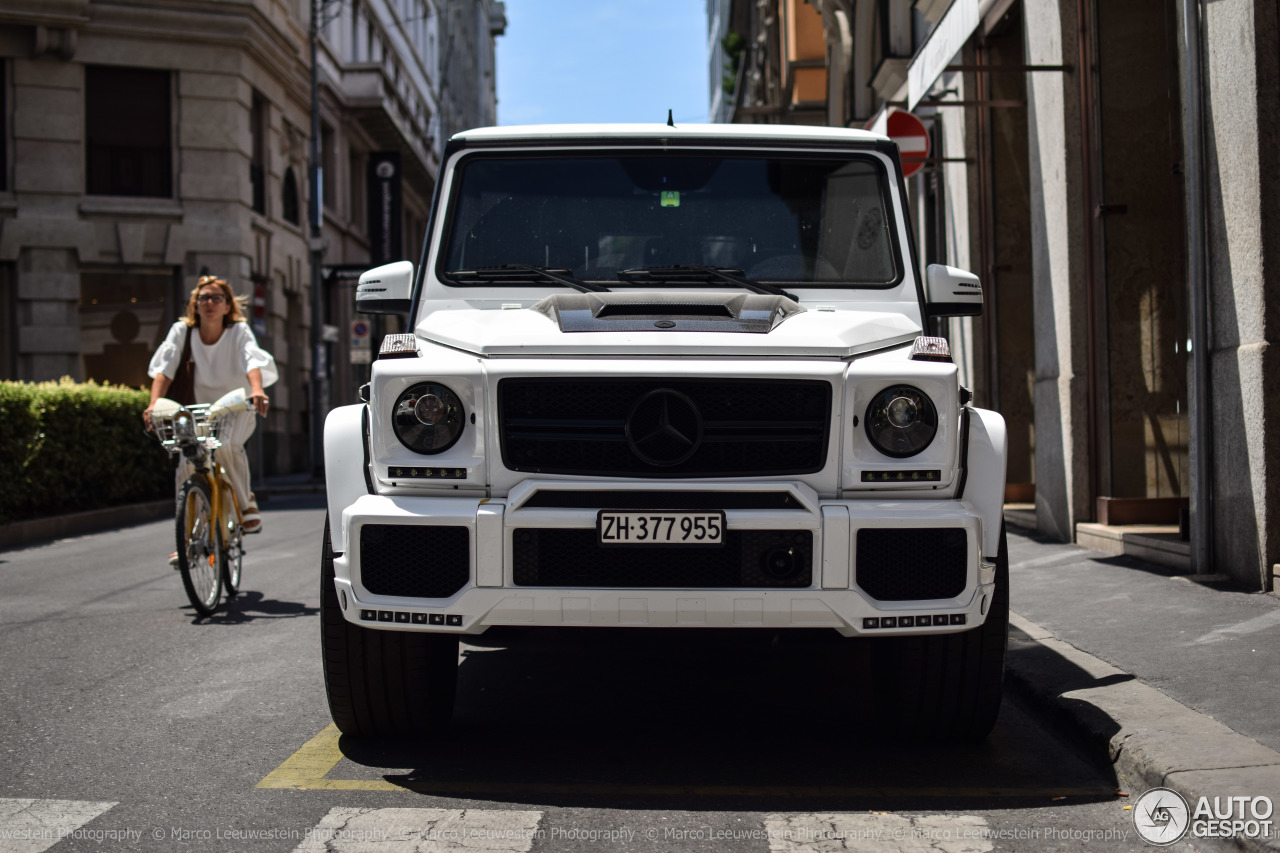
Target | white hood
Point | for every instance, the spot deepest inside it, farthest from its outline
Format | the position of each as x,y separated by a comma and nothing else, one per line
838,332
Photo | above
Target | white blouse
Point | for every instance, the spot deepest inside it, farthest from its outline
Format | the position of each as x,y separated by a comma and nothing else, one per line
220,368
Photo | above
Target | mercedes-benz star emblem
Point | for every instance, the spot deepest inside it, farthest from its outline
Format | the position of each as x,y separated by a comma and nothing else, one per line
664,428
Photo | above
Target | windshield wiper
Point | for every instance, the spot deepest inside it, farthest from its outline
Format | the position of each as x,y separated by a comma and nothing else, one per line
521,272
693,272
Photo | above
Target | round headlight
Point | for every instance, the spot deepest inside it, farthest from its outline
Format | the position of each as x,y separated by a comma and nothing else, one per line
428,418
901,421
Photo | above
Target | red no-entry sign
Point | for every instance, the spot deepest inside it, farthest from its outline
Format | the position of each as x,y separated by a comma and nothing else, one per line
912,138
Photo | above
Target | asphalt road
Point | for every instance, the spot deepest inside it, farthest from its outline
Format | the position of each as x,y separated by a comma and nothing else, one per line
129,724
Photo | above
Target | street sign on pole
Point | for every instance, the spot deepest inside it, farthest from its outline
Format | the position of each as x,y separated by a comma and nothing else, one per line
361,343
912,138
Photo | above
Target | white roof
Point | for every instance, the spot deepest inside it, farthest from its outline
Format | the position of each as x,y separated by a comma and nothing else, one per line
780,132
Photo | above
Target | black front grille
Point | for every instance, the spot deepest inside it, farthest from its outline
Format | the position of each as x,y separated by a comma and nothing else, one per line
730,427
748,558
912,564
414,561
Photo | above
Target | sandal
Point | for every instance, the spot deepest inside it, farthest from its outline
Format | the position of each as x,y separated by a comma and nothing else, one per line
251,521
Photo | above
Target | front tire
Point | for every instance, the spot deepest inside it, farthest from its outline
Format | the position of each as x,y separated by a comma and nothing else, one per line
947,686
383,684
199,543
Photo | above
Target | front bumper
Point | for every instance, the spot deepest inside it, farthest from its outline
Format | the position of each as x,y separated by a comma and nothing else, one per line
488,594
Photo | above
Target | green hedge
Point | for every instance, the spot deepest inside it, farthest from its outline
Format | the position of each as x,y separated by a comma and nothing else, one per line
67,447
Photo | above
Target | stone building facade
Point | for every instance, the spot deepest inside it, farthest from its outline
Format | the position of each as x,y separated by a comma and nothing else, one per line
143,143
1106,169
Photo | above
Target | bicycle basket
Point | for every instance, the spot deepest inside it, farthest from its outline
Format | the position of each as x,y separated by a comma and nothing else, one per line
188,426
210,430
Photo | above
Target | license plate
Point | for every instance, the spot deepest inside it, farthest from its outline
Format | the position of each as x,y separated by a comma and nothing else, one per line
660,528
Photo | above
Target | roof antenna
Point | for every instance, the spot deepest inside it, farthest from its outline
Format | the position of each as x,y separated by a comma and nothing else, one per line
670,121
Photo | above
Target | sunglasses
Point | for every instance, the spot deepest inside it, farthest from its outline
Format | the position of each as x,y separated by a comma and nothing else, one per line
215,298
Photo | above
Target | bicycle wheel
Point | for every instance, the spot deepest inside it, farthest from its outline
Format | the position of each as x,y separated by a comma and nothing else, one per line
199,546
233,540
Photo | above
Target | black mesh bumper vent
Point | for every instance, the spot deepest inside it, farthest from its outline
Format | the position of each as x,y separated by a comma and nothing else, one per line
656,427
912,564
414,561
749,558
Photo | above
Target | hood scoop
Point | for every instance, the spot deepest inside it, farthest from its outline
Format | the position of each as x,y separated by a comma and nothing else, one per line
667,312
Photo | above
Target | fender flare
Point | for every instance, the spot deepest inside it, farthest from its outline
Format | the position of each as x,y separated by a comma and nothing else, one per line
986,457
346,472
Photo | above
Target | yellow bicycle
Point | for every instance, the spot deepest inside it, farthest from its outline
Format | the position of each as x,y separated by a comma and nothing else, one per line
209,518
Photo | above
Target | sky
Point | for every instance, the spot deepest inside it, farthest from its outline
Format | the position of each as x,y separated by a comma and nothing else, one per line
603,61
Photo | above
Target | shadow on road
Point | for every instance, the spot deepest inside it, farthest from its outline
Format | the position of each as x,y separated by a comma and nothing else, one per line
249,605
704,720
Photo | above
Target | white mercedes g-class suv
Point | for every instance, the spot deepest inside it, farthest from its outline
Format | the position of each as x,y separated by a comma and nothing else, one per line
666,377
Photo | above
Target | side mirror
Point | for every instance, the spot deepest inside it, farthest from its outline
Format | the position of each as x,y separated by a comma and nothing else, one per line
951,292
385,289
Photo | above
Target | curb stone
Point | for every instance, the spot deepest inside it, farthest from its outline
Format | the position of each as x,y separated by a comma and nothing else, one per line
21,534
1149,739
36,531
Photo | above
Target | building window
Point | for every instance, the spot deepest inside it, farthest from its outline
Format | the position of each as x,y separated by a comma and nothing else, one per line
356,179
4,133
360,35
289,197
128,132
329,167
879,34
8,324
258,155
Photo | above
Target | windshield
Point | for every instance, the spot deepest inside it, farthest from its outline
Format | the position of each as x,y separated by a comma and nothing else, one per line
779,219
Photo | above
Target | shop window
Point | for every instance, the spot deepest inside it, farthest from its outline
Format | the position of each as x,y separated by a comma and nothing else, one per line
128,132
123,318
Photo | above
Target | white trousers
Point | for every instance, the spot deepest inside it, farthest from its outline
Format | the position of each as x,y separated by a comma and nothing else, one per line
237,428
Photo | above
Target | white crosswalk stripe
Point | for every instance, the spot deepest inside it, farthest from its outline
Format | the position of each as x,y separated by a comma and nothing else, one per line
811,833
30,826
347,830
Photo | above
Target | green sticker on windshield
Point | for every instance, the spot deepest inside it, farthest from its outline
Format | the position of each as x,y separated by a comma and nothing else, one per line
670,198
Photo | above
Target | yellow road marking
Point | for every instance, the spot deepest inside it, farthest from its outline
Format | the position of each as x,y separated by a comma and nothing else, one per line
309,767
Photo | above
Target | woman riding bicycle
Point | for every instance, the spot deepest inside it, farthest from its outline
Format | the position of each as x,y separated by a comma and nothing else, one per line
216,350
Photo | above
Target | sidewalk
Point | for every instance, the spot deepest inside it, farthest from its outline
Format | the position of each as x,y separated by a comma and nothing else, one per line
1174,679
21,534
